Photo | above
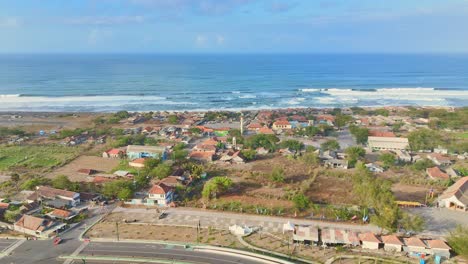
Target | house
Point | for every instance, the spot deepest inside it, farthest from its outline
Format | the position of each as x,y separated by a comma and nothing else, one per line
68,198
336,164
332,236
438,248
233,157
392,243
414,245
325,120
137,163
113,154
439,159
203,156
254,127
378,133
374,168
172,181
266,131
160,194
261,151
387,143
306,234
86,171
281,124
61,214
135,152
456,196
369,241
436,174
36,226
403,155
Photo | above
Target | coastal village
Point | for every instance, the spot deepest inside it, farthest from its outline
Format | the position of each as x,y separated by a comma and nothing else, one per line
388,182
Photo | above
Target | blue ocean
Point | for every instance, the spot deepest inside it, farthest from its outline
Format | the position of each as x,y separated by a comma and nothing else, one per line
150,82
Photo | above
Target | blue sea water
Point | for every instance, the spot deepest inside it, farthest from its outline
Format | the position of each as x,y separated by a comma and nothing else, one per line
144,82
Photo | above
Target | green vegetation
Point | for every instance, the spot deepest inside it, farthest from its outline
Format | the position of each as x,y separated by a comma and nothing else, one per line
36,156
330,145
173,119
5,131
292,145
262,140
161,171
310,158
129,140
423,139
412,222
237,134
121,189
342,120
277,174
353,154
249,154
388,159
423,164
33,182
62,182
442,119
216,186
11,216
301,202
359,133
458,240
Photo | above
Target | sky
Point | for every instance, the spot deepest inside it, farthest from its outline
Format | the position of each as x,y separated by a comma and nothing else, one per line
233,26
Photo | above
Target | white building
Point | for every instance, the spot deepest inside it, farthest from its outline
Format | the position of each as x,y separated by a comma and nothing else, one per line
370,241
160,194
388,143
456,196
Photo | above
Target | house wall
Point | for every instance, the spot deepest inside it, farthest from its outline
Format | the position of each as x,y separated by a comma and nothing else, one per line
370,245
440,252
27,231
390,247
447,202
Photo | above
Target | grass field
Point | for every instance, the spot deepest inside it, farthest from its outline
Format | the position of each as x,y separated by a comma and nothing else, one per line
36,157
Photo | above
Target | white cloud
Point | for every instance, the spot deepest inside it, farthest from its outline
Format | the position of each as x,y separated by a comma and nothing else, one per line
97,35
104,21
220,39
9,22
200,40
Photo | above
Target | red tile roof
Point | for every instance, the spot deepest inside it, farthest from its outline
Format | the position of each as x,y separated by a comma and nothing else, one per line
282,123
61,213
435,172
369,237
414,242
139,160
437,244
114,151
392,239
376,133
160,188
266,130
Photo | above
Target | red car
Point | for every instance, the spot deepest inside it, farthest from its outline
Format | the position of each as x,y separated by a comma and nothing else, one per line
57,241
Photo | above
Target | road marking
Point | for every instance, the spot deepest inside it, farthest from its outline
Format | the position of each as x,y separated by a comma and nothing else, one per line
7,251
76,252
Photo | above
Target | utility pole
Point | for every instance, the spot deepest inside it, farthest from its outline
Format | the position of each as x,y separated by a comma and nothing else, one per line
117,229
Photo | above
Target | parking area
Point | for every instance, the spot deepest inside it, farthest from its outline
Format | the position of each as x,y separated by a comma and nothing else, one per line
440,221
6,243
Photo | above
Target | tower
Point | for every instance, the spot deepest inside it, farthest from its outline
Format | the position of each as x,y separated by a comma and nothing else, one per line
242,124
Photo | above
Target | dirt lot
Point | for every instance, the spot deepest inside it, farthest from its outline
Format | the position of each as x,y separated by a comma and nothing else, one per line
411,193
99,164
164,233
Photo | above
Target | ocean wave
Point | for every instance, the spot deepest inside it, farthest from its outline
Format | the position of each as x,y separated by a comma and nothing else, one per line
247,96
9,95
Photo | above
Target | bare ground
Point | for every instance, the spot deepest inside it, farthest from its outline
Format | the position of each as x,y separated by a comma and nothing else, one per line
99,164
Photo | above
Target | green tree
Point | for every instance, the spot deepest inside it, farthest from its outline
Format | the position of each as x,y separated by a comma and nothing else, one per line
397,126
301,202
216,186
342,120
359,133
125,193
196,170
277,174
151,163
423,139
311,158
293,145
330,145
195,130
423,164
412,222
64,183
249,154
118,188
237,134
458,240
179,154
262,140
122,114
388,159
310,149
382,112
11,216
173,119
311,131
353,154
31,184
161,171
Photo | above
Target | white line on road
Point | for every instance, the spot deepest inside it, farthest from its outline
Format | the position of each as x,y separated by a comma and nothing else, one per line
10,249
76,252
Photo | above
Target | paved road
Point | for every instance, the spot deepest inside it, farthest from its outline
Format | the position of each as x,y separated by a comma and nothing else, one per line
440,221
175,253
222,220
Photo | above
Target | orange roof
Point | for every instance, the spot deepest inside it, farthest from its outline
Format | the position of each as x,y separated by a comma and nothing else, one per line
458,186
4,205
282,123
392,239
437,244
160,188
376,133
369,237
326,117
101,179
254,126
435,172
210,141
114,151
439,157
414,242
139,160
266,130
61,213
